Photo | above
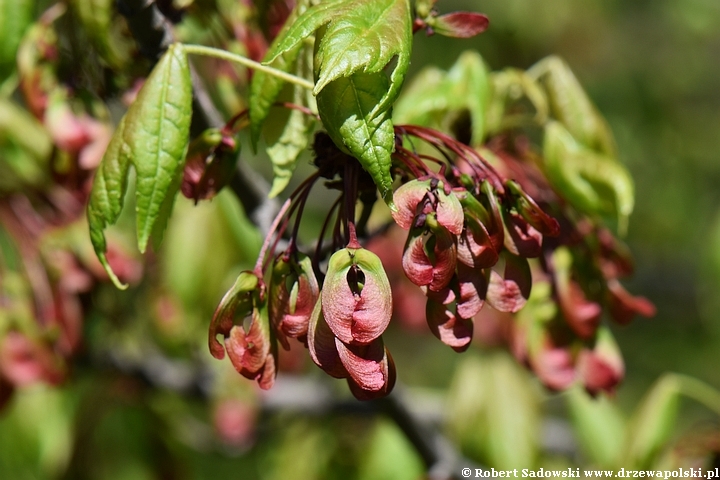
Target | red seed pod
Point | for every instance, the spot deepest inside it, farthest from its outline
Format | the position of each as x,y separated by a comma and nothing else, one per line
294,291
429,260
601,368
356,299
446,325
509,291
252,351
460,24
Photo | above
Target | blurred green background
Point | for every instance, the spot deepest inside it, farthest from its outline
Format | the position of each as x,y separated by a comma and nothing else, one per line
653,69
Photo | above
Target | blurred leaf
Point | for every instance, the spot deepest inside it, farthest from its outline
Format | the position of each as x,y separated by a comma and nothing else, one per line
214,239
460,24
345,107
572,107
493,411
510,87
433,94
599,425
593,183
154,136
15,18
96,18
653,422
389,455
36,434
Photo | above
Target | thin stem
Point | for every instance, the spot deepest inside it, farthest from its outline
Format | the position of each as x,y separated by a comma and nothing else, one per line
318,248
259,264
232,57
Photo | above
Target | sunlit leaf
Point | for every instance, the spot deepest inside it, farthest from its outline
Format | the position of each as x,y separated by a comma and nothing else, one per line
153,137
345,107
360,36
366,38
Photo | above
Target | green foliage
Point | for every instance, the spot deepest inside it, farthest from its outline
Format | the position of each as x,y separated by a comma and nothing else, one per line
434,95
15,18
153,137
592,182
345,107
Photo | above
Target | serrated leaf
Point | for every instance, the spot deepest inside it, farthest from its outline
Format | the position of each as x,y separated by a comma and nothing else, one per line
361,35
345,107
265,88
108,194
593,183
572,107
157,129
286,150
153,138
15,18
96,19
366,38
284,153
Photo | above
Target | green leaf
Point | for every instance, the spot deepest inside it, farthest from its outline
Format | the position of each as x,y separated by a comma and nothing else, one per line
284,153
361,35
265,88
107,196
434,94
493,411
21,129
366,38
97,21
509,88
599,426
153,137
572,107
157,129
345,107
593,183
653,422
15,18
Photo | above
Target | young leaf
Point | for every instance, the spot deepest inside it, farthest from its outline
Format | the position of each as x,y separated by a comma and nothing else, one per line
591,182
433,94
108,194
285,151
345,107
157,129
652,423
361,35
265,88
15,17
599,426
153,137
366,38
571,105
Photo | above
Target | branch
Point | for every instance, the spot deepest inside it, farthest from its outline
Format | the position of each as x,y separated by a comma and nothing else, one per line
153,34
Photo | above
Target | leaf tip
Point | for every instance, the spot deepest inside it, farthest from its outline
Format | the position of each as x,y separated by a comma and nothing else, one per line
108,269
